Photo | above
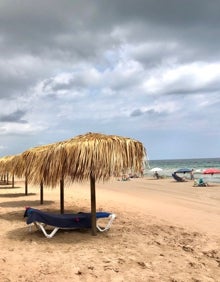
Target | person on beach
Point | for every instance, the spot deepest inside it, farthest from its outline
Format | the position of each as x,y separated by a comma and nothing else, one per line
156,175
192,175
200,183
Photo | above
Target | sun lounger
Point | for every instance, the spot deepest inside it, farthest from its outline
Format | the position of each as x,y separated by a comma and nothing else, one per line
178,178
65,221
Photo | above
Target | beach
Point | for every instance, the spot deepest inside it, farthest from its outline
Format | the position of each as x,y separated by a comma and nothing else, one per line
164,231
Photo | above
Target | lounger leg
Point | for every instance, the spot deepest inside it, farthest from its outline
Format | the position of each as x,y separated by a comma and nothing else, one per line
111,219
48,235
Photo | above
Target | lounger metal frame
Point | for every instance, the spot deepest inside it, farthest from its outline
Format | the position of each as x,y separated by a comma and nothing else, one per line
42,227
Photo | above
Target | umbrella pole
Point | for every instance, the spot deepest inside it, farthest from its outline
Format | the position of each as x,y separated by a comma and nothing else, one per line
41,193
7,182
93,204
13,181
26,185
61,196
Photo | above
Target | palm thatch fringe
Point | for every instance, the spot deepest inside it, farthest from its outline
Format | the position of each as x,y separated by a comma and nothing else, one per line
92,156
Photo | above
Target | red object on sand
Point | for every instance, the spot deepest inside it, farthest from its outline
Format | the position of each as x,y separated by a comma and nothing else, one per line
211,171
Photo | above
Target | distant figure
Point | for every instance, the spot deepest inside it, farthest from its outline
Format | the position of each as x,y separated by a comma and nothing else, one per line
200,183
192,175
125,177
156,175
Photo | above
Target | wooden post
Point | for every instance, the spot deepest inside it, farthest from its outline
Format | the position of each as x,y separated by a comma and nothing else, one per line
7,182
93,204
13,181
62,195
26,185
41,193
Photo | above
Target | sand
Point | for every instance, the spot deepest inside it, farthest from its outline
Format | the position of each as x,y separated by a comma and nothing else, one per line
164,231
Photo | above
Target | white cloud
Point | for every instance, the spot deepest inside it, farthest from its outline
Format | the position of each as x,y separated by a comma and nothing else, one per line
183,78
135,69
14,129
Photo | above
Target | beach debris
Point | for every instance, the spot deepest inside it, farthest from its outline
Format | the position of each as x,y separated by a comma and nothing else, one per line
78,271
187,249
144,264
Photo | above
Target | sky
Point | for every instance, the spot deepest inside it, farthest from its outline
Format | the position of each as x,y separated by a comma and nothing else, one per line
143,69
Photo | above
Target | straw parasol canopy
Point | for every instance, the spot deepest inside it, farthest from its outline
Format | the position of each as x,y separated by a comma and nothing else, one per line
103,156
6,166
75,158
30,163
92,156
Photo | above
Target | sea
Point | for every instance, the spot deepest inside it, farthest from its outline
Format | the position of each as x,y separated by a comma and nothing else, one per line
198,165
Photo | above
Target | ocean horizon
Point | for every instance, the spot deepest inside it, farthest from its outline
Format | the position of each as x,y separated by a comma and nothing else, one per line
198,165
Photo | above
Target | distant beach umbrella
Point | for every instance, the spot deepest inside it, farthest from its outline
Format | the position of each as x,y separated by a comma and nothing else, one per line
183,170
211,171
198,170
156,169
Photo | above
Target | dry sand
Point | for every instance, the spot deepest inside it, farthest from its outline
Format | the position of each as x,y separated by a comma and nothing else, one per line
164,231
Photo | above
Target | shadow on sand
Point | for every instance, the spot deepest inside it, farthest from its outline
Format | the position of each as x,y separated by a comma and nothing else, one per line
9,187
24,203
65,236
16,195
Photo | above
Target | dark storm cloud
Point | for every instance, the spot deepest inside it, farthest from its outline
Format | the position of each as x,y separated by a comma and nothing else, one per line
148,113
52,28
71,29
191,25
88,62
136,113
11,87
14,117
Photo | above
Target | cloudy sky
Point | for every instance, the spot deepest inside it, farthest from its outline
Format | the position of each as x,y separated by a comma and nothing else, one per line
145,69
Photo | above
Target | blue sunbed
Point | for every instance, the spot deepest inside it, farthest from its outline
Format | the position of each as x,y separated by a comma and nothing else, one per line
65,221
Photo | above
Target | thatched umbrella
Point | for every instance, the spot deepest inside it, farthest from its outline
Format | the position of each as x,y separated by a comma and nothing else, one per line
12,165
2,168
99,157
92,156
28,165
5,168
